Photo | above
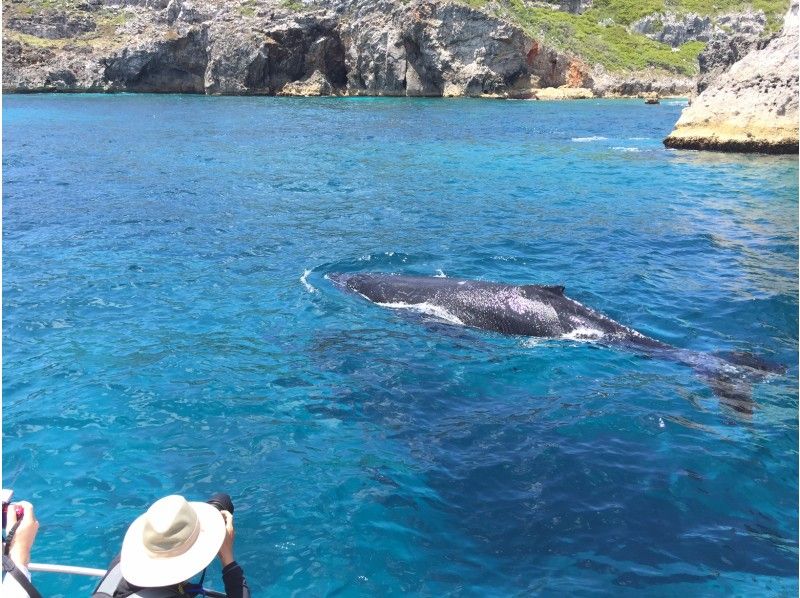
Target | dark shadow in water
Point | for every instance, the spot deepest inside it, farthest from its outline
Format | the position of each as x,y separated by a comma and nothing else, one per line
530,477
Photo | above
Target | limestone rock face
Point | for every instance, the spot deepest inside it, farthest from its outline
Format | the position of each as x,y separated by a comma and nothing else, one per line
262,60
674,30
331,47
172,65
617,85
53,24
751,107
143,3
33,69
375,52
552,69
563,93
449,47
722,52
677,29
356,47
573,6
314,85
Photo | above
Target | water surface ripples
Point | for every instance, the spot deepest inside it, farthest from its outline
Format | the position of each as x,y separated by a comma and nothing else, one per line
168,328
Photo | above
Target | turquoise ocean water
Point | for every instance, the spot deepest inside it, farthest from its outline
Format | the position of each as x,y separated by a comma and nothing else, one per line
168,328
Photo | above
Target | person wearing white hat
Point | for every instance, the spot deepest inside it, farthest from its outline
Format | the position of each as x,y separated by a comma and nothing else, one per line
170,543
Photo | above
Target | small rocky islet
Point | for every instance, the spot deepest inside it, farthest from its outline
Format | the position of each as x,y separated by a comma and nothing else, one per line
739,60
753,105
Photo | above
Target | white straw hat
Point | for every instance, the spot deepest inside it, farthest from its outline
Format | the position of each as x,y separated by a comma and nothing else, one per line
171,542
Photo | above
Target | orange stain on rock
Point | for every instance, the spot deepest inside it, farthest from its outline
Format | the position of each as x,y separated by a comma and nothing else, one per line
533,53
577,73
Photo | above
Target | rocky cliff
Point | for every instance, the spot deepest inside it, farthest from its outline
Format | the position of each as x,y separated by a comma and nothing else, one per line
287,47
496,48
678,29
752,106
722,51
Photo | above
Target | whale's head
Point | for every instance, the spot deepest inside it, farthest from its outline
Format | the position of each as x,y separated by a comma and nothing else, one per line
355,283
339,279
371,286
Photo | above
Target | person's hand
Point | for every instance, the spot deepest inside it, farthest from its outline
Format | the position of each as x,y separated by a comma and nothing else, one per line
226,550
22,542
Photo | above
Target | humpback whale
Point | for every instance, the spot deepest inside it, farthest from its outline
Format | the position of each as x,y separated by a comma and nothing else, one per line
546,312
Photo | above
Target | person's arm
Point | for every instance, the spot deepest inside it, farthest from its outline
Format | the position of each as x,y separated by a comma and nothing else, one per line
232,573
235,583
22,542
20,548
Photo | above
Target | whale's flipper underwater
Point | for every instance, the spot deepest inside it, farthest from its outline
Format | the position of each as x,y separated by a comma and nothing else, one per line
546,312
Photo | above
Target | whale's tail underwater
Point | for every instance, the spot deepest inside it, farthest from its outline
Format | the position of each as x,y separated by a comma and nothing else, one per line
545,312
731,376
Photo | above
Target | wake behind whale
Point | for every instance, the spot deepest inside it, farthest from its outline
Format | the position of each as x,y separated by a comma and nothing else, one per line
546,312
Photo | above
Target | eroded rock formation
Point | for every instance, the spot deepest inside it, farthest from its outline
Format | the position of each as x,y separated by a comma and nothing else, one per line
677,29
572,6
751,107
423,48
330,47
53,24
722,52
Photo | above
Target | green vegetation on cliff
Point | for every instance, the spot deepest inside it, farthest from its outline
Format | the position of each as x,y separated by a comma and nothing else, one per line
626,12
106,20
601,35
611,45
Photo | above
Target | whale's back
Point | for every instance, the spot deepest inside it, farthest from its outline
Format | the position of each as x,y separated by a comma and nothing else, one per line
530,310
544,311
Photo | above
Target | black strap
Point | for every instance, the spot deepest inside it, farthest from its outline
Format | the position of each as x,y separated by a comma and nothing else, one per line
110,581
11,568
10,537
156,593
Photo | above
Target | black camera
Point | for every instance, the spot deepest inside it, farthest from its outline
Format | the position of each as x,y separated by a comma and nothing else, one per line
7,494
222,501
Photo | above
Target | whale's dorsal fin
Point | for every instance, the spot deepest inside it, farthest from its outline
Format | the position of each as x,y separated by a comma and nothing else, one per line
556,289
536,289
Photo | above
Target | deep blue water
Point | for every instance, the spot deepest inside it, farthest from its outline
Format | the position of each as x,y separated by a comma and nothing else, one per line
167,328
